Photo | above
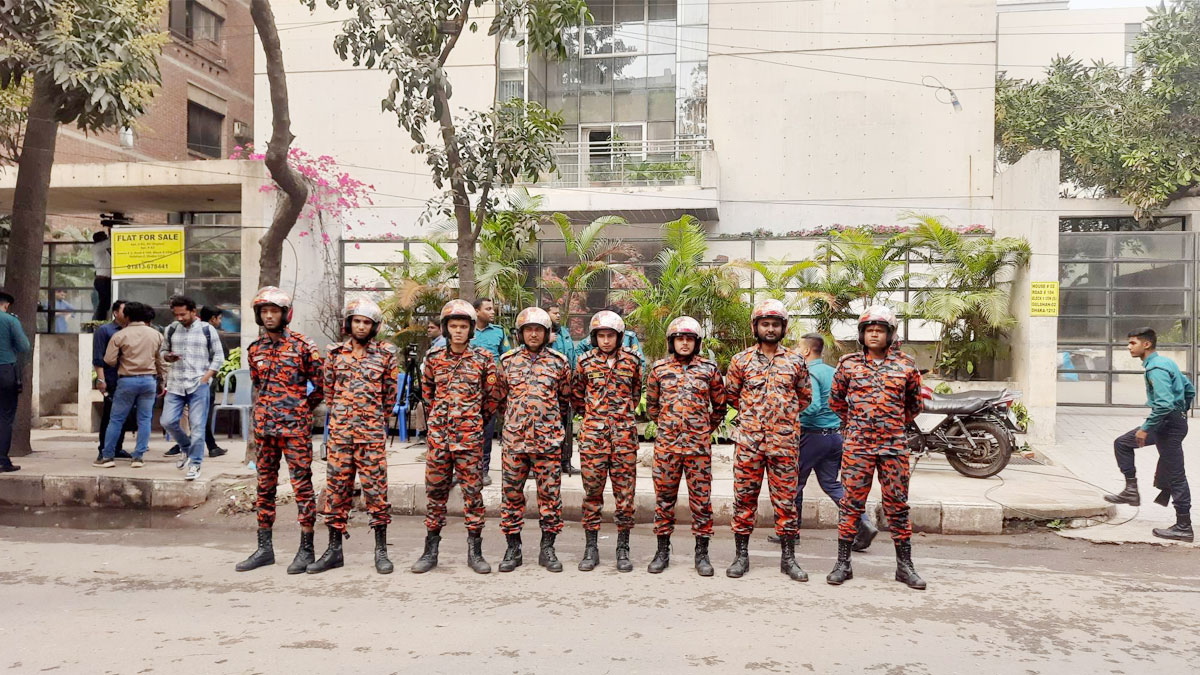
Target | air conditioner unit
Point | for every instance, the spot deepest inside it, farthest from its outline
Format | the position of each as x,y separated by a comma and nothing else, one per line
241,129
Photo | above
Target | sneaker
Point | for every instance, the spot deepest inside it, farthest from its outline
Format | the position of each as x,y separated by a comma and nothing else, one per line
193,472
137,463
216,452
6,468
121,454
104,462
173,451
183,460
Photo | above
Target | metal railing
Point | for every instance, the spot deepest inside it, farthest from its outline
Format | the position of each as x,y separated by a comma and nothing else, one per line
621,163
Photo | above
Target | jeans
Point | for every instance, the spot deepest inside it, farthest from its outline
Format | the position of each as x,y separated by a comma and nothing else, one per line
821,453
197,404
1168,438
132,391
106,417
9,388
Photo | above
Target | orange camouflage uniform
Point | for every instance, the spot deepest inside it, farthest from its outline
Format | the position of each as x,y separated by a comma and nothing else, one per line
360,391
876,401
769,394
461,392
607,391
534,385
280,371
686,400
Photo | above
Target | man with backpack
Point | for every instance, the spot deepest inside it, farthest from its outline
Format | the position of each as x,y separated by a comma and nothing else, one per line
192,348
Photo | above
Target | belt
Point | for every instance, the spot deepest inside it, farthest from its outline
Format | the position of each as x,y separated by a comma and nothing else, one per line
821,432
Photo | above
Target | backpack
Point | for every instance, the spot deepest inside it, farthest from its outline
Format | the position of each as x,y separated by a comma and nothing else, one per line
206,327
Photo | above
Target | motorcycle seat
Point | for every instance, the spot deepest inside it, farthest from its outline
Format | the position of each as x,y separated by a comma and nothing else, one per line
973,394
954,406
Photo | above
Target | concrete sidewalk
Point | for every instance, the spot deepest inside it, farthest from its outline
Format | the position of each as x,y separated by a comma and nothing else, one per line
59,473
1085,447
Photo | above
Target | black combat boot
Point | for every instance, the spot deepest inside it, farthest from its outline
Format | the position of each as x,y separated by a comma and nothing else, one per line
382,564
305,556
1180,531
1128,496
703,567
662,557
623,563
512,555
787,559
591,551
475,554
263,555
842,571
546,557
905,572
864,536
741,556
429,557
332,557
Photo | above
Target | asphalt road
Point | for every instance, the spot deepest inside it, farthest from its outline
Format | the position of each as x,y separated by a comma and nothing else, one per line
166,599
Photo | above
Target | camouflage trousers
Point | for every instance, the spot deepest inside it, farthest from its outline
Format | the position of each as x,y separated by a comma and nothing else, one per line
547,471
749,465
857,471
369,461
450,454
297,451
620,468
669,468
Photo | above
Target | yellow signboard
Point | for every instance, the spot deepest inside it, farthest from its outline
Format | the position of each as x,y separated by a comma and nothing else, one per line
1043,298
147,252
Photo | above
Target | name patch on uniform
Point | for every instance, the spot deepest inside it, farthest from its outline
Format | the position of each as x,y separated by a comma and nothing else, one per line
595,375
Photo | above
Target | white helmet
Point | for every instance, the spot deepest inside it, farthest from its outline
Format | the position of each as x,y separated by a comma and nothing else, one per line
364,307
878,315
533,316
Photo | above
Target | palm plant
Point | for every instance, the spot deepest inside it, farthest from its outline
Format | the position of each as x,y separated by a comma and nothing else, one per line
419,288
857,269
685,284
592,253
792,283
966,290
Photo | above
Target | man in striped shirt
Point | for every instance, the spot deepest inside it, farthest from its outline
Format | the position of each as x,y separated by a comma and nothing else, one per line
193,350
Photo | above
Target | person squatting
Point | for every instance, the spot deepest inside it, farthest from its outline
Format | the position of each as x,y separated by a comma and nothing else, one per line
875,393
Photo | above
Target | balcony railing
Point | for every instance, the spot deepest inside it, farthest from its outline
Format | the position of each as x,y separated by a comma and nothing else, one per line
622,163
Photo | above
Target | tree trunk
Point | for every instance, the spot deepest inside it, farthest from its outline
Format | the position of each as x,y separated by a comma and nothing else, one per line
294,190
23,276
462,201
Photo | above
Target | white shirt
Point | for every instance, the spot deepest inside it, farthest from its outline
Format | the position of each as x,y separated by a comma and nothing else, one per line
102,258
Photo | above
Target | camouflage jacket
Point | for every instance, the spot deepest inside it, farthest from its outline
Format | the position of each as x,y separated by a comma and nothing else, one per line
876,401
280,371
686,399
533,387
459,389
769,394
607,394
360,392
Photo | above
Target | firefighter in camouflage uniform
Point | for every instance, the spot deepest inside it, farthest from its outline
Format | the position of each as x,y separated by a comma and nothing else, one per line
769,386
360,387
876,392
282,365
606,388
535,383
685,398
460,389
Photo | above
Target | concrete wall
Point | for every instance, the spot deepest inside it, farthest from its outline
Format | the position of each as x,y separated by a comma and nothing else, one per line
1026,206
55,367
1029,41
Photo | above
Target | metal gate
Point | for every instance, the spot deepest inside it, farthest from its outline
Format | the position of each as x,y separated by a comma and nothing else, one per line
1112,283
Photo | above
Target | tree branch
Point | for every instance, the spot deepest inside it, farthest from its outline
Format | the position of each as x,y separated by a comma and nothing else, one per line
462,23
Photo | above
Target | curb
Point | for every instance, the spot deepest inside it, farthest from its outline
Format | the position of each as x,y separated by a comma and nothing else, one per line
409,499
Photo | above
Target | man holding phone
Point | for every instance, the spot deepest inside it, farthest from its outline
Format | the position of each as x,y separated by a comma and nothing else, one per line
193,352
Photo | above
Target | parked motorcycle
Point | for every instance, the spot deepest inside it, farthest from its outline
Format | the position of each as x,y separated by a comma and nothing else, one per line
977,435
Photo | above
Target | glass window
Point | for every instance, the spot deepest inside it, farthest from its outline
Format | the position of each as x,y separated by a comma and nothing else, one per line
1072,246
1083,275
1120,224
693,12
204,130
693,43
1153,245
1081,392
1152,275
206,25
1158,303
1170,329
1083,330
1083,303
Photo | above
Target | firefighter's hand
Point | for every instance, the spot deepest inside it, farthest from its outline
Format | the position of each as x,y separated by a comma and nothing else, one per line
1140,437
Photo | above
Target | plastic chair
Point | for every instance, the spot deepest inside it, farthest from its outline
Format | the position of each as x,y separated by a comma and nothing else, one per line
400,409
238,400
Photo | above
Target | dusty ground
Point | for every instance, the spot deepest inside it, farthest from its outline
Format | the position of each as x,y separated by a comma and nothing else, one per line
122,597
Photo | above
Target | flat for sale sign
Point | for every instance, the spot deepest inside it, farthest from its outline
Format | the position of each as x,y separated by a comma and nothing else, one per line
147,253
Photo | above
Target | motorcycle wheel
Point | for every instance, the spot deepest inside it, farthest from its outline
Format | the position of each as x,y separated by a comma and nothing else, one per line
989,458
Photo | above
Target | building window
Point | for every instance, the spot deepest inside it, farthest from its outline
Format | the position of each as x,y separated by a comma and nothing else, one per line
194,22
1122,224
204,130
1132,30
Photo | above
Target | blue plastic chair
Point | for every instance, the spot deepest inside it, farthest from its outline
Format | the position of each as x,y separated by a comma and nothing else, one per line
238,400
400,409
